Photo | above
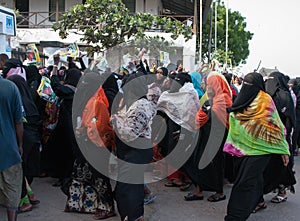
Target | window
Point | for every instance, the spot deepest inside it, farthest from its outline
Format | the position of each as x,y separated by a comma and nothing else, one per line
52,8
23,7
130,4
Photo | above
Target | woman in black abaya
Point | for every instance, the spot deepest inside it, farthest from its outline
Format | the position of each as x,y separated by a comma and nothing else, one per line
276,176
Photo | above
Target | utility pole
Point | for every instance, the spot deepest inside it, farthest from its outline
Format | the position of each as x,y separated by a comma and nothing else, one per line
216,27
226,44
210,34
195,18
200,32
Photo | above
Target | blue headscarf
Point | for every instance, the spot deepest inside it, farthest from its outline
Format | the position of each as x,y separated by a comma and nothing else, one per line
196,80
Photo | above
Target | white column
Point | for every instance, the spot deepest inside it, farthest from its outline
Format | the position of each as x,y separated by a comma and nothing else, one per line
216,27
226,44
188,54
200,33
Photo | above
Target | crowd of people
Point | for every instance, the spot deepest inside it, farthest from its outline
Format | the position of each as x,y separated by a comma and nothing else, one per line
142,115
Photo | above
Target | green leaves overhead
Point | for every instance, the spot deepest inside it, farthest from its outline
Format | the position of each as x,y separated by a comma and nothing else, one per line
238,36
107,23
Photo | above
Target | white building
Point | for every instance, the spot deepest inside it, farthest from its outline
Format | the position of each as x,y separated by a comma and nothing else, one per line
7,29
36,18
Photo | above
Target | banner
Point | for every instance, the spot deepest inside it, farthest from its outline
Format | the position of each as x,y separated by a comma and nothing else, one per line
45,90
71,51
33,56
164,57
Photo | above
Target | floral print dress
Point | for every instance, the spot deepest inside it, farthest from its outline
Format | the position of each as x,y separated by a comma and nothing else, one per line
89,190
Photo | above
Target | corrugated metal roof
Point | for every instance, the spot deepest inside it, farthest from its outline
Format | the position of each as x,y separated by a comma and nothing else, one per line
186,7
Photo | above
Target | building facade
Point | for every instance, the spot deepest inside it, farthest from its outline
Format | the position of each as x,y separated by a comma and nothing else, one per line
36,17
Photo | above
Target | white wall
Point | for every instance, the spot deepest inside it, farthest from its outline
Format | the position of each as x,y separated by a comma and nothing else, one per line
139,6
37,35
188,50
152,6
7,3
70,3
43,6
5,45
39,6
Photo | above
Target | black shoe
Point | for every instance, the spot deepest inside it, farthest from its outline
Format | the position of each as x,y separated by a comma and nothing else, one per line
192,197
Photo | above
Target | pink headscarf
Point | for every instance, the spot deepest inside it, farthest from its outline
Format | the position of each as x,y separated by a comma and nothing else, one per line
17,71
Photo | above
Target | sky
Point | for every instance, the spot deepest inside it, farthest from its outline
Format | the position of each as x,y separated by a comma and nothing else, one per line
276,39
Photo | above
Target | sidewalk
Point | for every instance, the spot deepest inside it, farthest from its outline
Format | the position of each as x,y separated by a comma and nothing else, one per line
168,206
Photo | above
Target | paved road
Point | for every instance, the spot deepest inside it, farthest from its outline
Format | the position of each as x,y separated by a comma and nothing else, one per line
168,206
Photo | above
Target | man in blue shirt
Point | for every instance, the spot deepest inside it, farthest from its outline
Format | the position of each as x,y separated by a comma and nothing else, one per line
11,136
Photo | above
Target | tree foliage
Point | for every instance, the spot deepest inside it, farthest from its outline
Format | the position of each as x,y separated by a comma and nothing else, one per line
153,45
238,37
107,23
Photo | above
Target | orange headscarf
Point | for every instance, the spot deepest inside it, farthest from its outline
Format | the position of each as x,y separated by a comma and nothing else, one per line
221,100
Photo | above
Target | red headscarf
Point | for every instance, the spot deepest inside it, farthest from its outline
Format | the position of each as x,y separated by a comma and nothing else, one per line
221,100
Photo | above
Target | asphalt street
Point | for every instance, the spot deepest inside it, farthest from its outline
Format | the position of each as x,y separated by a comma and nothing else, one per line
168,206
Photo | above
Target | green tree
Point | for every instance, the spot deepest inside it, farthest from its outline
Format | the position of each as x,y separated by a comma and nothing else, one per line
238,37
153,45
106,23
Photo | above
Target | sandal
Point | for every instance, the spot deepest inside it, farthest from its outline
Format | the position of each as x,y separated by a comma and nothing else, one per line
191,197
259,207
26,207
185,186
216,198
149,199
102,214
33,200
278,199
172,184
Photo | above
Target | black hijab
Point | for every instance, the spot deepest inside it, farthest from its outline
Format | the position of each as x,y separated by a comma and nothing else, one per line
86,88
295,86
134,88
28,103
165,71
180,79
32,74
253,83
72,77
110,87
277,87
275,81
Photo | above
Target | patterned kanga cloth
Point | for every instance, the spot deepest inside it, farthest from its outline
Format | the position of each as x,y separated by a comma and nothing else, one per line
257,130
181,107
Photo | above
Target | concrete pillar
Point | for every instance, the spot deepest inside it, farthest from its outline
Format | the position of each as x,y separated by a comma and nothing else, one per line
189,53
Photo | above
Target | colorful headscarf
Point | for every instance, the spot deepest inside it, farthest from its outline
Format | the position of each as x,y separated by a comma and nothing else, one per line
253,83
256,130
221,101
196,80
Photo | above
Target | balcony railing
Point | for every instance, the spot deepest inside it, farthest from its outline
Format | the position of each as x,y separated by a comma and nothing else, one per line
46,19
37,19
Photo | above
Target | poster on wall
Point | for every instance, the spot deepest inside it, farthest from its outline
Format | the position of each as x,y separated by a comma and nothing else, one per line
7,21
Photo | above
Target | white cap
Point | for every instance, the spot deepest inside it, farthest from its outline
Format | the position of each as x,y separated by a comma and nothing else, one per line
240,75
